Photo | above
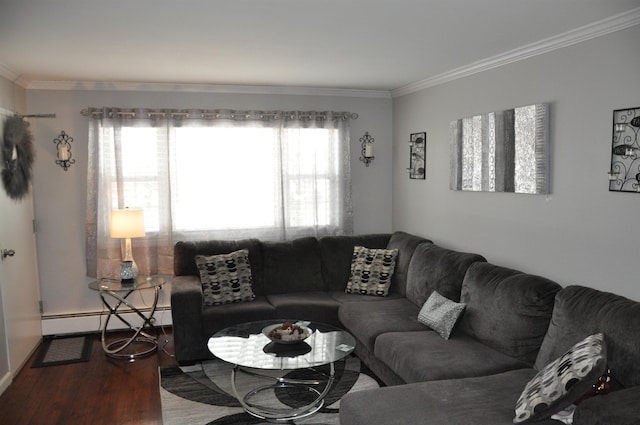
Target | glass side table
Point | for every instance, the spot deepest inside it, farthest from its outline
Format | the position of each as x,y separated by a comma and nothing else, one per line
144,337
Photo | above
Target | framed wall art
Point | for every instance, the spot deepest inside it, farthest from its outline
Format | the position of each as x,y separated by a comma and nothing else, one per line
417,155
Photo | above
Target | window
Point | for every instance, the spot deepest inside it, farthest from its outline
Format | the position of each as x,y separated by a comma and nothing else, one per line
227,178
264,175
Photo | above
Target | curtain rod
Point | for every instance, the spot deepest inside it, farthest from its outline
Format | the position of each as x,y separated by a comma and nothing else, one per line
213,114
37,115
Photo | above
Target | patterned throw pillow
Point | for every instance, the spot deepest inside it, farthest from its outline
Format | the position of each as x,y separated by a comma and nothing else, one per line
226,278
371,271
563,381
440,314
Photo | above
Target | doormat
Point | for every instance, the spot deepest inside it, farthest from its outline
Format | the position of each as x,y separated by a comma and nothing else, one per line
59,350
201,394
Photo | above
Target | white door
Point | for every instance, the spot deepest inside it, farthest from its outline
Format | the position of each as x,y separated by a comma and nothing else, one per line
19,284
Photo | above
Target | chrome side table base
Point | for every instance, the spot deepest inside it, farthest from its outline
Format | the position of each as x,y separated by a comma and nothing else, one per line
143,340
116,349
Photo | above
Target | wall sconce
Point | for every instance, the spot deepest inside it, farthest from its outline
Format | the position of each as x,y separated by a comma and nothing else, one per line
63,149
367,148
417,155
624,172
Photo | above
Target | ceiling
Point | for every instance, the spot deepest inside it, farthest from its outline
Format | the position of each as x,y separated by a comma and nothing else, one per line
348,44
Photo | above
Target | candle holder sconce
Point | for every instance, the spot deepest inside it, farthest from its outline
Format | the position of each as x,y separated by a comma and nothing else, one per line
624,174
366,154
63,150
417,155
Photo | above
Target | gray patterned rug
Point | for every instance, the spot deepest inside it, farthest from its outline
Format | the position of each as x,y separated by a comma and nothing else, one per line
202,394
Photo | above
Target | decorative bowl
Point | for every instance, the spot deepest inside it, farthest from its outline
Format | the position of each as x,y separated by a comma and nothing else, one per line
286,333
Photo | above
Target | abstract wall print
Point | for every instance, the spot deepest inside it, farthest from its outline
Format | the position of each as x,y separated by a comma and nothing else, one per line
417,155
502,151
624,175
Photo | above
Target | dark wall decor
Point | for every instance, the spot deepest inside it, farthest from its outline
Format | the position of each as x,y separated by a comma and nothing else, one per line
624,175
366,145
17,157
502,151
417,155
63,150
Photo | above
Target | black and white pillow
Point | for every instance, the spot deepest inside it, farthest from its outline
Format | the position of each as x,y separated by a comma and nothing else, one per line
563,381
226,278
371,271
440,314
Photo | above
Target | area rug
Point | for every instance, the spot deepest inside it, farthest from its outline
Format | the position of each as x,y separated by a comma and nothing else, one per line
202,394
59,350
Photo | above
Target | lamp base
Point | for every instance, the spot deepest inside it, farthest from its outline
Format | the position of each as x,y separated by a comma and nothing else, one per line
128,272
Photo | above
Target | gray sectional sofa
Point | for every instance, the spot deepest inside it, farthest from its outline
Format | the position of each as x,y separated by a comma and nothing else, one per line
514,324
302,278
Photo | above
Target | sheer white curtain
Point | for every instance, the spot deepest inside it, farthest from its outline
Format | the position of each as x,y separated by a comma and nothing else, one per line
198,175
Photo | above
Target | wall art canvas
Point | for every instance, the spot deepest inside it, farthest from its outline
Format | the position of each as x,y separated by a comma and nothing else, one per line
502,151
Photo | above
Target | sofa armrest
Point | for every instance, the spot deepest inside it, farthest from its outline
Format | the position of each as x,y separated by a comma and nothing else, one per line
617,408
186,313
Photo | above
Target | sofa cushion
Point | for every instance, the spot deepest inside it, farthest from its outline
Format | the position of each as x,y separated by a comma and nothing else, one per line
184,254
616,408
337,252
580,311
563,381
312,306
433,268
486,400
226,278
366,320
343,297
506,309
406,244
371,271
440,314
222,316
425,356
292,266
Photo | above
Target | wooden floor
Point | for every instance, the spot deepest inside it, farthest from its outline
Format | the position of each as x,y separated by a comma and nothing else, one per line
100,391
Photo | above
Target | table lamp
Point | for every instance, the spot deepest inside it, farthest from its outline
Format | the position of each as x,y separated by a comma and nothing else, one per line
127,224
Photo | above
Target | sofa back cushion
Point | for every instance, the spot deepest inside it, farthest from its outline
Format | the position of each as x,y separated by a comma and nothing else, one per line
337,252
406,244
433,268
579,312
507,310
292,266
184,257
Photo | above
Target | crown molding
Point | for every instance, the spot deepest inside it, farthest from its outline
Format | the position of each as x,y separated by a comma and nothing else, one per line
202,88
12,76
575,36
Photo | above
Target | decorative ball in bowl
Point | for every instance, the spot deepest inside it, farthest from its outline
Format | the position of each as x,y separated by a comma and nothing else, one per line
286,333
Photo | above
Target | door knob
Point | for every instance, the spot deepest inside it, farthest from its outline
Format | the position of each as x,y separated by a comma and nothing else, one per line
8,253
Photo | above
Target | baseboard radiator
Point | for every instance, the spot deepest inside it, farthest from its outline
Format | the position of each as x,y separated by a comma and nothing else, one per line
87,322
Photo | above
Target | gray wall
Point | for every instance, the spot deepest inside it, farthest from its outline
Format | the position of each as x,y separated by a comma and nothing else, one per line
579,234
61,196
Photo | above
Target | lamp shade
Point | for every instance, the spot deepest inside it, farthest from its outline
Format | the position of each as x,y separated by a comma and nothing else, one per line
127,223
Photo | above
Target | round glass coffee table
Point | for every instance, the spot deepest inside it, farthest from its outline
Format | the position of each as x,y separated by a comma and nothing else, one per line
246,347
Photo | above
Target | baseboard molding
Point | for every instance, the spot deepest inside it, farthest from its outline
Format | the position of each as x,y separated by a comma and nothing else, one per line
61,324
5,382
